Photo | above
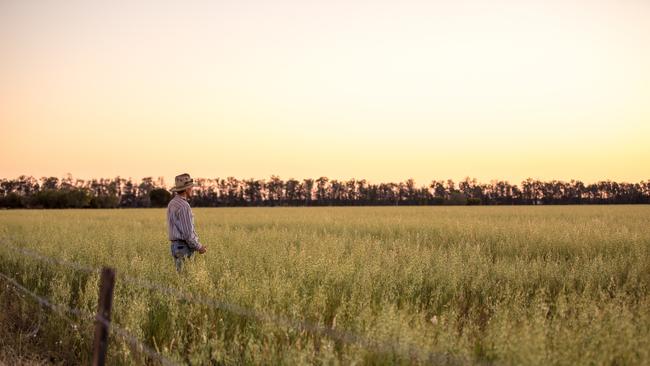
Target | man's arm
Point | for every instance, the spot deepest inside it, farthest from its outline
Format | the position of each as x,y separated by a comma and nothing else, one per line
187,226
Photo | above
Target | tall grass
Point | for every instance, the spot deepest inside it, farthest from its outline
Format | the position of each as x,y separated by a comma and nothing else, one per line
504,285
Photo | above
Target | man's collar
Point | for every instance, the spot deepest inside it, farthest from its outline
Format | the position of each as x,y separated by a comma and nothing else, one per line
182,197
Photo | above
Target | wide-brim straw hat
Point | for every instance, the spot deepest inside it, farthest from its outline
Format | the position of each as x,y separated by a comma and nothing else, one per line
182,182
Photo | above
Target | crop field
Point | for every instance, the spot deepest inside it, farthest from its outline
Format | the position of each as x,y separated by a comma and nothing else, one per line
387,285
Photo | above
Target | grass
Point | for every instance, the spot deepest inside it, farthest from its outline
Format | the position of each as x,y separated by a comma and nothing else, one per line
505,285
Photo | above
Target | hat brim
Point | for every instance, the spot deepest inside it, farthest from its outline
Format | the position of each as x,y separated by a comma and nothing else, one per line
179,189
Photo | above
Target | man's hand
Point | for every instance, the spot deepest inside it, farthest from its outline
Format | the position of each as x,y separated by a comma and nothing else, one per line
202,250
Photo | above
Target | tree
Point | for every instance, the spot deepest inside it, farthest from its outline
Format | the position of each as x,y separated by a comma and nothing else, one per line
144,191
128,198
253,191
52,192
292,191
321,190
275,187
306,190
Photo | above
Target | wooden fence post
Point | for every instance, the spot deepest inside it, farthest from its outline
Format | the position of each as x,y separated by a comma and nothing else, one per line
103,316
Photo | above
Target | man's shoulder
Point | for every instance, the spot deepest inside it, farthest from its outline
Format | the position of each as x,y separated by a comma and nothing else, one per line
178,202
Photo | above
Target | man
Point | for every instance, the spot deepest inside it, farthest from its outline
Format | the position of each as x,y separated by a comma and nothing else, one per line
180,222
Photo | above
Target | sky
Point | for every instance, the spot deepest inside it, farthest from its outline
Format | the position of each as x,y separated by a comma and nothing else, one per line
381,90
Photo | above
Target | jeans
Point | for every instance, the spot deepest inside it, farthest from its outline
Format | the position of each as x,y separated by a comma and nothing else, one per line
180,251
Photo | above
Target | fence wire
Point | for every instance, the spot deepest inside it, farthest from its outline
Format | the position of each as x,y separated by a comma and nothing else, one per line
405,350
62,311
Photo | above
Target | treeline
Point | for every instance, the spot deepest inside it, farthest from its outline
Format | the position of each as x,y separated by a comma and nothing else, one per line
52,192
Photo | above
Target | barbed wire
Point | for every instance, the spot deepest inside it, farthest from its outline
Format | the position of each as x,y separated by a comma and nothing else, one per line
59,309
344,336
62,310
51,260
340,335
135,342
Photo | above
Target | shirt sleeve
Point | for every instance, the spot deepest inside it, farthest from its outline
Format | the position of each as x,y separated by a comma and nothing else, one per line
187,226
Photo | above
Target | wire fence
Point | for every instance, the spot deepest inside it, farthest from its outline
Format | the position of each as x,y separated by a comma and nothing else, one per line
409,351
63,311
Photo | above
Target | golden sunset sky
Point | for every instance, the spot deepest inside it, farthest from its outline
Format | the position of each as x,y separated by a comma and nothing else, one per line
382,90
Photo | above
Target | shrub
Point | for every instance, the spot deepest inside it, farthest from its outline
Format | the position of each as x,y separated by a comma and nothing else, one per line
159,197
473,201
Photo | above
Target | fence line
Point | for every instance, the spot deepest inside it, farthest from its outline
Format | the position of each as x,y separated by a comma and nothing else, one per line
57,308
347,337
51,260
282,321
62,310
135,342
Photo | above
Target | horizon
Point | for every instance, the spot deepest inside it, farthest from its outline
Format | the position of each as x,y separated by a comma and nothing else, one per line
382,90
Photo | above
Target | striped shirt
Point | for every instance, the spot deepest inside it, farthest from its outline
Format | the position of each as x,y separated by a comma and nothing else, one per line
180,222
